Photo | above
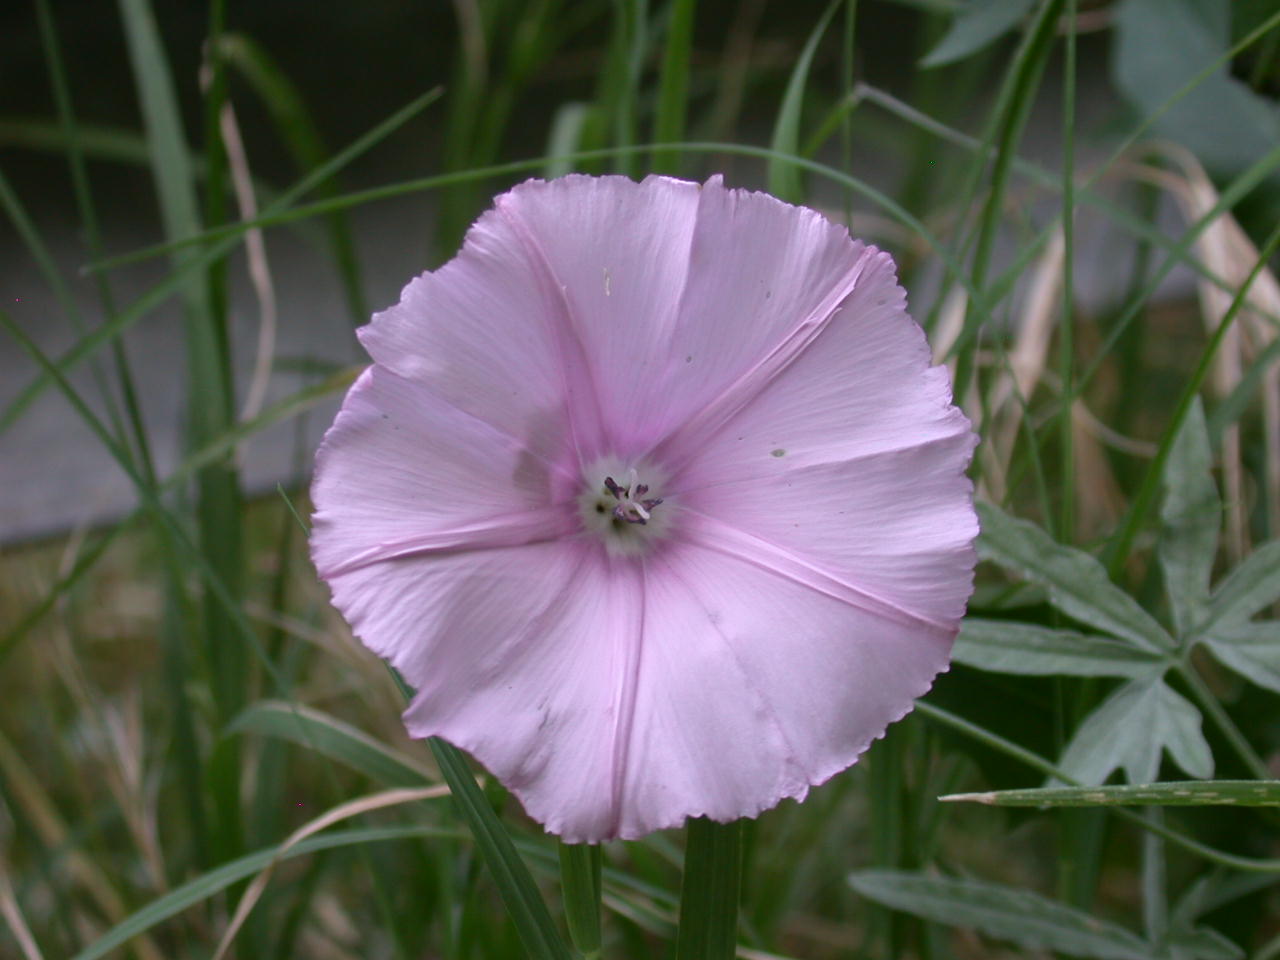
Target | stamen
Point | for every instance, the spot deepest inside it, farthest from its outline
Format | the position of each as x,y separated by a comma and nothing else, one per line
631,508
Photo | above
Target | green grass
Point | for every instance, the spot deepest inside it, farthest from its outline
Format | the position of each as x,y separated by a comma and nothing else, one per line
177,697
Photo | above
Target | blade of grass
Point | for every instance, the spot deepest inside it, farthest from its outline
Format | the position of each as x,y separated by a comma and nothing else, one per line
31,239
253,893
293,121
857,185
1041,177
326,734
214,881
1172,793
519,892
1029,67
1066,336
673,86
181,541
71,133
1120,546
784,176
998,743
289,406
219,242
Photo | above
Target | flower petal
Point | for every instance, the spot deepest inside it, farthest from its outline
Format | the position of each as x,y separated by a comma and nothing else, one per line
524,657
764,277
403,473
758,365
484,331
616,253
752,687
853,459
614,701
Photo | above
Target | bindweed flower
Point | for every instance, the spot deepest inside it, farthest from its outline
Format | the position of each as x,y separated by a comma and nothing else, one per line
653,495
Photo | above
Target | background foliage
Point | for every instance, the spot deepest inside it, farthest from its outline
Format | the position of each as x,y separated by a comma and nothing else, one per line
195,757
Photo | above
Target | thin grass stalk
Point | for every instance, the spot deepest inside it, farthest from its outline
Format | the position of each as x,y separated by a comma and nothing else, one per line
67,123
218,242
673,86
1030,68
1010,83
1119,549
847,37
1155,899
296,128
1066,339
1038,763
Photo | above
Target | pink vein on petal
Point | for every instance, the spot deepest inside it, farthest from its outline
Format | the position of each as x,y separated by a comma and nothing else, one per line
737,395
520,446
508,530
792,754
575,369
747,478
724,538
624,722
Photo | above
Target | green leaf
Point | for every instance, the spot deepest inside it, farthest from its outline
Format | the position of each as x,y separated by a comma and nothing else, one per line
673,85
219,878
565,137
333,738
1077,583
783,176
709,891
1025,918
1160,46
1171,793
1250,649
1250,587
1191,514
1008,646
1131,729
978,24
519,893
1202,943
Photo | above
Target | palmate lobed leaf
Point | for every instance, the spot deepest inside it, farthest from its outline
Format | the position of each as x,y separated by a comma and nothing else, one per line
1010,646
1250,649
1002,912
1077,583
1160,46
1030,920
978,24
1191,515
1132,728
1253,585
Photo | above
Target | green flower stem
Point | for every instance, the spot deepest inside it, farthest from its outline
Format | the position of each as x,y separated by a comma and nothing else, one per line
710,890
580,866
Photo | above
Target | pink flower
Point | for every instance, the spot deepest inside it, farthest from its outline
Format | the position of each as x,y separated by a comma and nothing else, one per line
652,494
